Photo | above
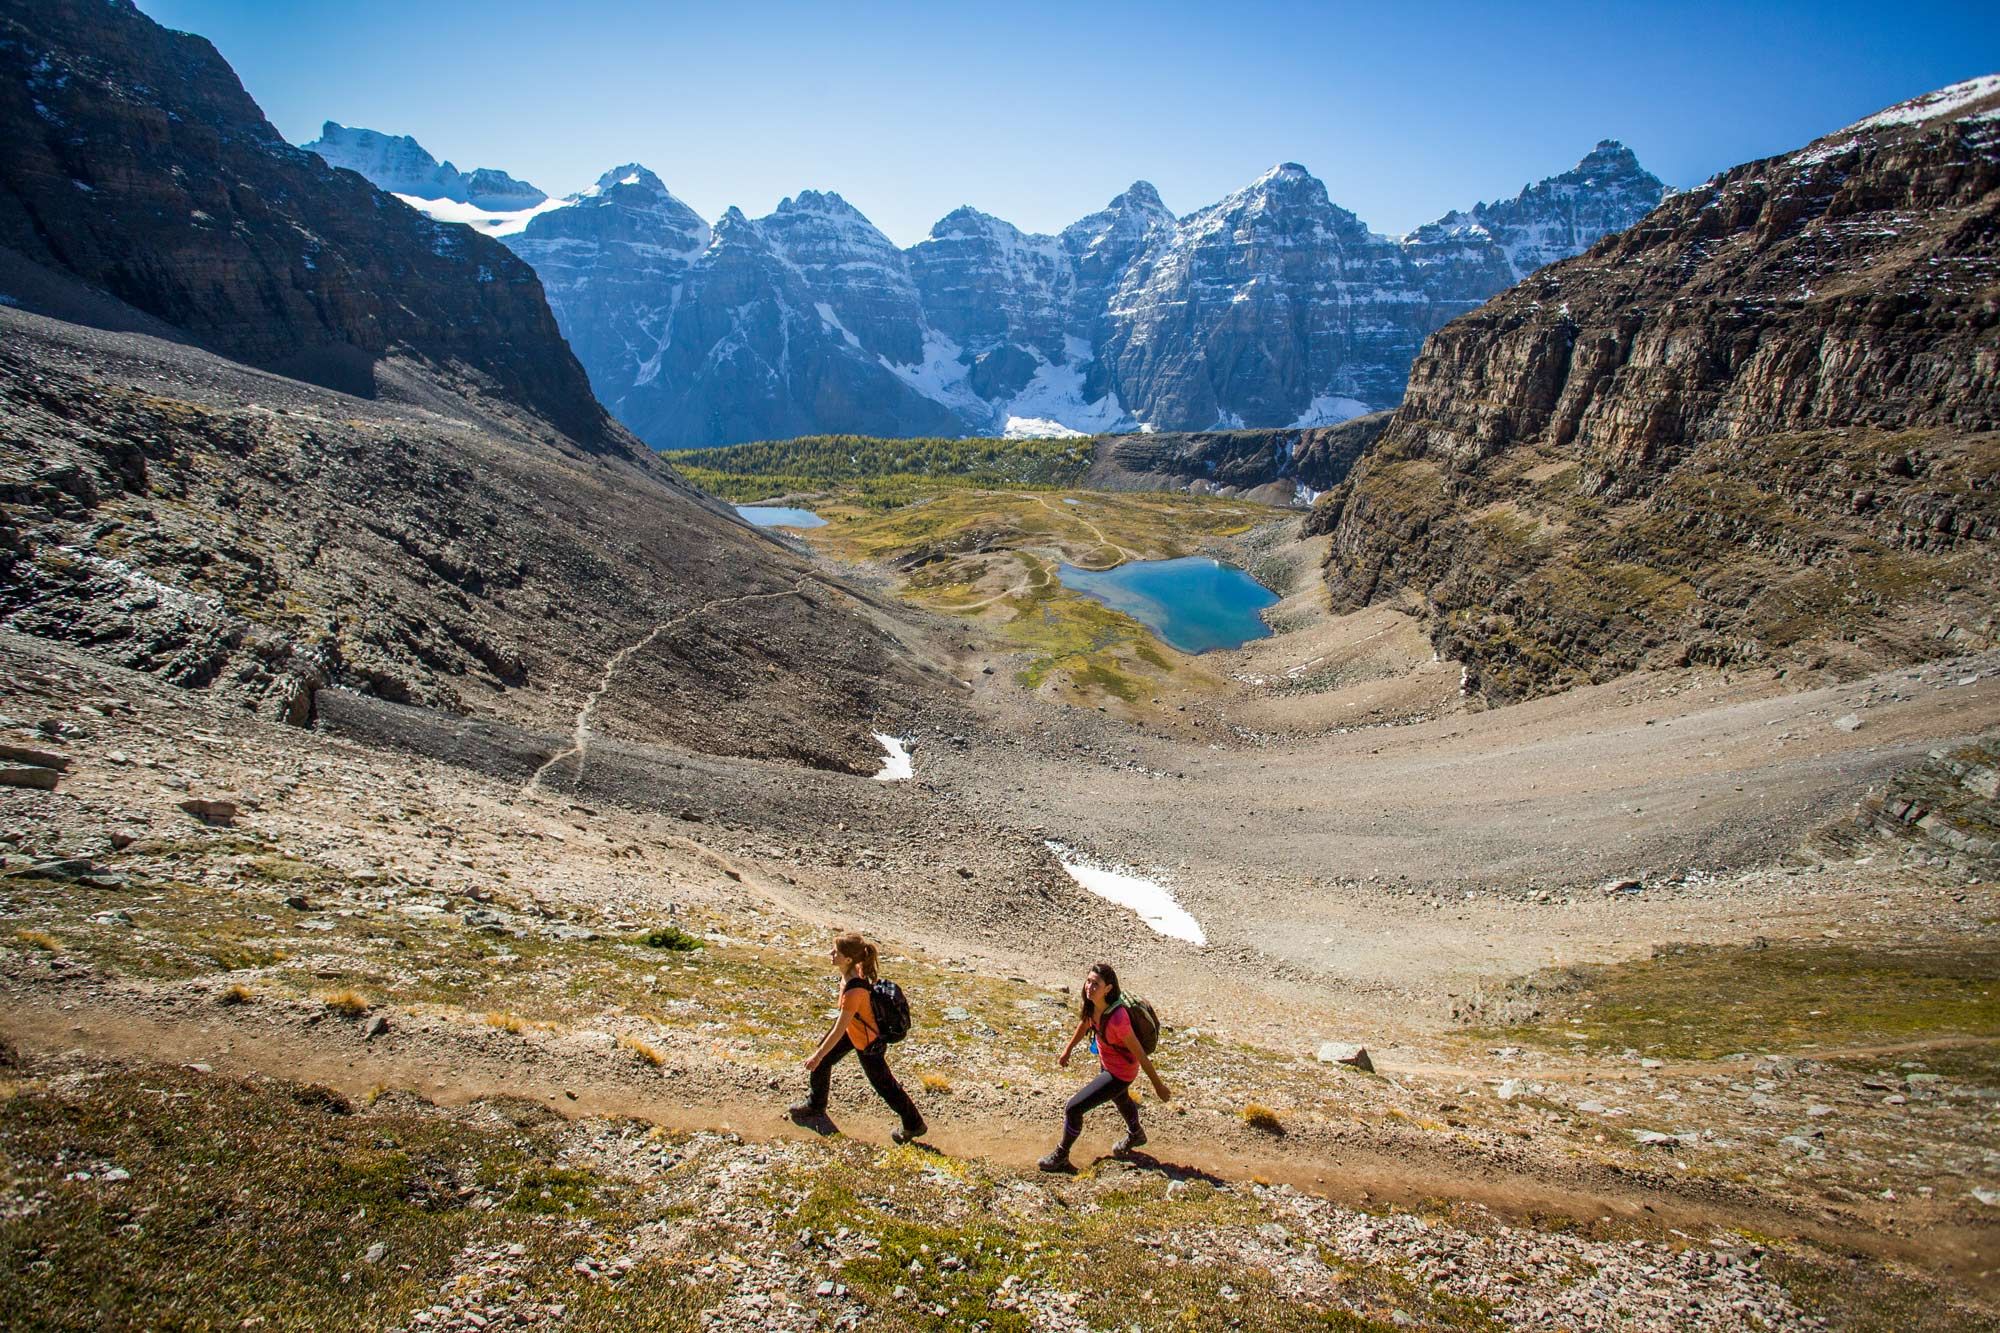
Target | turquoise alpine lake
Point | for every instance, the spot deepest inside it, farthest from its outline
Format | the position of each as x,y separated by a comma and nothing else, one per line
1194,603
780,516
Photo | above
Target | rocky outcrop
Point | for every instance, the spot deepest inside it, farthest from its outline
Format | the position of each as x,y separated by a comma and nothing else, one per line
397,163
1277,466
1757,426
131,157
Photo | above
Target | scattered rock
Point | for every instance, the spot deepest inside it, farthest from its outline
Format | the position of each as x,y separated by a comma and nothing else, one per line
1623,886
1851,722
376,1253
373,1026
37,779
210,810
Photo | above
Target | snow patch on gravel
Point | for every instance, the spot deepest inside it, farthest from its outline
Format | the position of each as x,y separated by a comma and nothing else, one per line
897,767
1152,901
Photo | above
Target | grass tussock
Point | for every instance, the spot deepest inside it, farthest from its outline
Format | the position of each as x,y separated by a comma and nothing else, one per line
1261,1117
934,1082
671,938
236,994
39,939
346,1003
506,1022
643,1049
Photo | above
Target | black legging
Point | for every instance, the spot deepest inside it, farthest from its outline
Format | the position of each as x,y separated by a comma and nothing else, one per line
876,1066
1104,1088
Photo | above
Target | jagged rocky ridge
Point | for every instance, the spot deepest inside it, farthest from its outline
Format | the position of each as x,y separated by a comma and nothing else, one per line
1759,426
1273,308
477,538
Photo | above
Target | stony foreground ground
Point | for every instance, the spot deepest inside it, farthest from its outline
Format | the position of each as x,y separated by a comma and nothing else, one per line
416,1039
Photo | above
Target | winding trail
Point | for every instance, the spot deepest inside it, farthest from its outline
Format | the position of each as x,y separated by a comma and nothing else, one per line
579,747
1125,552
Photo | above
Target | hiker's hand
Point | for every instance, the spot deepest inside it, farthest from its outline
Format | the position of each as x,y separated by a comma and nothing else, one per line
1062,1061
1161,1089
812,1063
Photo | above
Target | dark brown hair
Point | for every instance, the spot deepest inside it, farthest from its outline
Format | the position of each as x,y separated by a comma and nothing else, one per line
1110,975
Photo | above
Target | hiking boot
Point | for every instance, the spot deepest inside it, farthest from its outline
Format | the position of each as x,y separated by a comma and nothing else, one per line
1135,1139
908,1132
1057,1163
806,1111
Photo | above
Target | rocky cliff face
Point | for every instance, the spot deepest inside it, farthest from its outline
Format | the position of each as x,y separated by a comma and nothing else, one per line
1274,308
1756,426
450,544
131,157
399,164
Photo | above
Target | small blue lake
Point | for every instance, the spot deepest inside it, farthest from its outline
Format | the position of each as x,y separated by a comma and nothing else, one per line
780,516
1194,603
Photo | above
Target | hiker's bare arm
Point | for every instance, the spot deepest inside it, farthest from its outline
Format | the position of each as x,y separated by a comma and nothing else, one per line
1138,1053
832,1037
1082,1027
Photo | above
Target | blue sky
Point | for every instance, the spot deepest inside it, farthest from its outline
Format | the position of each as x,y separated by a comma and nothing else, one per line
1040,113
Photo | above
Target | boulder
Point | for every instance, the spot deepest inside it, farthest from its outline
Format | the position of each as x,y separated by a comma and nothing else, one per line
30,757
39,779
1346,1053
210,810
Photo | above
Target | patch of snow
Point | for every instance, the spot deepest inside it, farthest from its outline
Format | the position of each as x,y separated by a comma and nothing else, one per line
1931,106
1052,403
941,376
897,767
481,219
832,321
1039,428
1304,494
1152,902
1330,410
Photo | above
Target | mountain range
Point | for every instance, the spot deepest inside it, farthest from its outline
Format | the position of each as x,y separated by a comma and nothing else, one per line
1274,307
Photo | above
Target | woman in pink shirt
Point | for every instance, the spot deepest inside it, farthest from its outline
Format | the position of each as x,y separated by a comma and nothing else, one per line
1121,1056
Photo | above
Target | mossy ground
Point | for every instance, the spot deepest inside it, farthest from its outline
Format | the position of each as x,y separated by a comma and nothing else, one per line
1704,1002
252,1204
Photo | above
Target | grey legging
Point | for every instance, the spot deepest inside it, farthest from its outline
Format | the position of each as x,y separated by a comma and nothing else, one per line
1104,1088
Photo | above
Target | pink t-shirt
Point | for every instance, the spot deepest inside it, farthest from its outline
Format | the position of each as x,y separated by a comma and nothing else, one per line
1111,1052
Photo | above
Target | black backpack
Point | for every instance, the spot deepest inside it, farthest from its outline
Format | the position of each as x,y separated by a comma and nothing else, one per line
1145,1023
892,1011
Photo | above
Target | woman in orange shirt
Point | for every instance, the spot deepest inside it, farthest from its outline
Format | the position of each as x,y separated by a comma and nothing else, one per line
854,1030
